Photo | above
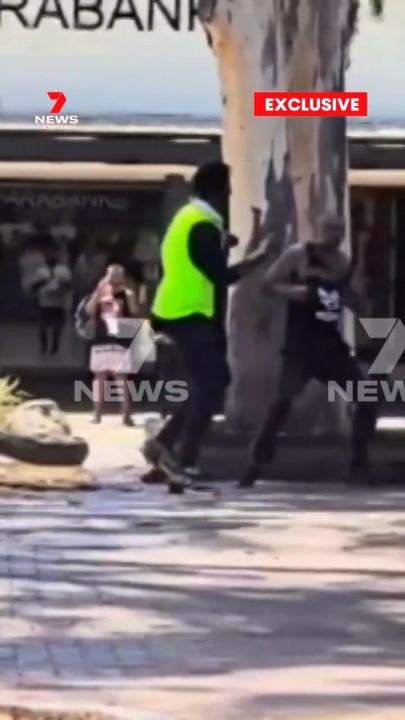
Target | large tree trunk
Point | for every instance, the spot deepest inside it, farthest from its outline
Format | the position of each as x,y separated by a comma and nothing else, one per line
293,168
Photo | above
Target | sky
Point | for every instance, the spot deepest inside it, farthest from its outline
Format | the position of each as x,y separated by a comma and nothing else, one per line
125,70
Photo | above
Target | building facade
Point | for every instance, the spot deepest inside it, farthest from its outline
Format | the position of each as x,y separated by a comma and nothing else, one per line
115,189
97,207
42,53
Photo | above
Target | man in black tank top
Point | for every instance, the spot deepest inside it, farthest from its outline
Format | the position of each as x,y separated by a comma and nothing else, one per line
316,282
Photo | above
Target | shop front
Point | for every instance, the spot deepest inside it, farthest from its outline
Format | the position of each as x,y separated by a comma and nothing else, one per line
101,194
89,227
378,243
104,210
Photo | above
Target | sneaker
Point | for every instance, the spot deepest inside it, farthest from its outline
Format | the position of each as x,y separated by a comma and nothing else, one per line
160,457
177,480
194,472
155,453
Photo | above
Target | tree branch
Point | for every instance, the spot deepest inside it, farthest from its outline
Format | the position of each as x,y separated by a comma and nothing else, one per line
352,21
377,9
206,13
206,10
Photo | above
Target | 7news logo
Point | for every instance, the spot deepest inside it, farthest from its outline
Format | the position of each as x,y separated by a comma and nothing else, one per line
54,120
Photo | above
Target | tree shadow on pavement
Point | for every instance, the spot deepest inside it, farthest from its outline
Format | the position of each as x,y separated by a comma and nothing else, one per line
114,590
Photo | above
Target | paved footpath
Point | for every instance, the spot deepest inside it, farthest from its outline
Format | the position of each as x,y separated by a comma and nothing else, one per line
286,601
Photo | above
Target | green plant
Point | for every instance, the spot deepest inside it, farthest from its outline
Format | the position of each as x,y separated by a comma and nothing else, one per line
11,396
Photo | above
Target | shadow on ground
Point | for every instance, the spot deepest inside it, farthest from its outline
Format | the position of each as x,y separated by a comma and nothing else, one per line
143,587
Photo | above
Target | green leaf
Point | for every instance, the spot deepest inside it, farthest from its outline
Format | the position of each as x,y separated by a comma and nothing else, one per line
377,7
10,397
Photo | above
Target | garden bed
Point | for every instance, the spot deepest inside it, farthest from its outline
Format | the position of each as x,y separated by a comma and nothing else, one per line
16,475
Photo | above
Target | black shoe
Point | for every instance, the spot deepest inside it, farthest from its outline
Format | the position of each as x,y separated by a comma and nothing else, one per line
249,478
156,454
362,474
160,457
194,472
176,486
154,476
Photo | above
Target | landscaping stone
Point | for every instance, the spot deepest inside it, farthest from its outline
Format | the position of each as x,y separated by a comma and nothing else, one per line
17,475
39,417
38,432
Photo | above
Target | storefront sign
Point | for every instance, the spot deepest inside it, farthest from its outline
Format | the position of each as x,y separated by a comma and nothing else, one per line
90,15
173,72
60,200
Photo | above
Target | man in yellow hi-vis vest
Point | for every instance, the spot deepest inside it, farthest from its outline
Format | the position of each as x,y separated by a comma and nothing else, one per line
189,307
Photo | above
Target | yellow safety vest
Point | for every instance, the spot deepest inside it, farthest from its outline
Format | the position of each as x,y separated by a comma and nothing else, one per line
183,290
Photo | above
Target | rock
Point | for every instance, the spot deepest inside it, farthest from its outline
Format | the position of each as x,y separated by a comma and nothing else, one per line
19,475
37,432
44,450
37,418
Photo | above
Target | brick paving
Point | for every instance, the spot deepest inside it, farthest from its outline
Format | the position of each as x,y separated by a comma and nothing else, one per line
283,602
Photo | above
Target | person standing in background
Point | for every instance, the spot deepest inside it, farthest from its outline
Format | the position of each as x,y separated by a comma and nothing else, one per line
51,285
32,258
110,302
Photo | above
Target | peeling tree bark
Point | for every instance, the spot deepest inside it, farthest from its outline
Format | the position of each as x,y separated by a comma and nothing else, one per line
293,168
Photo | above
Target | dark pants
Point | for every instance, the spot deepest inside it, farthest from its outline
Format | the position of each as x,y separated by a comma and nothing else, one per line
51,321
334,365
202,362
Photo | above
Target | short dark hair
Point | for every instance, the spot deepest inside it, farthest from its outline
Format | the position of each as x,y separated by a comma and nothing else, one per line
211,179
44,239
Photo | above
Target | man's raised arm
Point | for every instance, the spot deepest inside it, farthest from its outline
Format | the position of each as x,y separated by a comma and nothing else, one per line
280,276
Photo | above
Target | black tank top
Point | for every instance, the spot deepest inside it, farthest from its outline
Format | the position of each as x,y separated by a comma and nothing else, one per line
314,323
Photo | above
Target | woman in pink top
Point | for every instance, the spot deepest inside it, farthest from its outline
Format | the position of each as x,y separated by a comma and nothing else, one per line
111,302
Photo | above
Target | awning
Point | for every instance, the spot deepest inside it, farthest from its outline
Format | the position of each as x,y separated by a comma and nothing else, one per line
377,178
116,173
89,172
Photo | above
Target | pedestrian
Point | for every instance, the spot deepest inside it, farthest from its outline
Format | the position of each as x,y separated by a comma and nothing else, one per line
316,281
32,259
51,285
189,309
111,302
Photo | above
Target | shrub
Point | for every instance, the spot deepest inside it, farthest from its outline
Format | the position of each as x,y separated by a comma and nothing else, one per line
11,396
